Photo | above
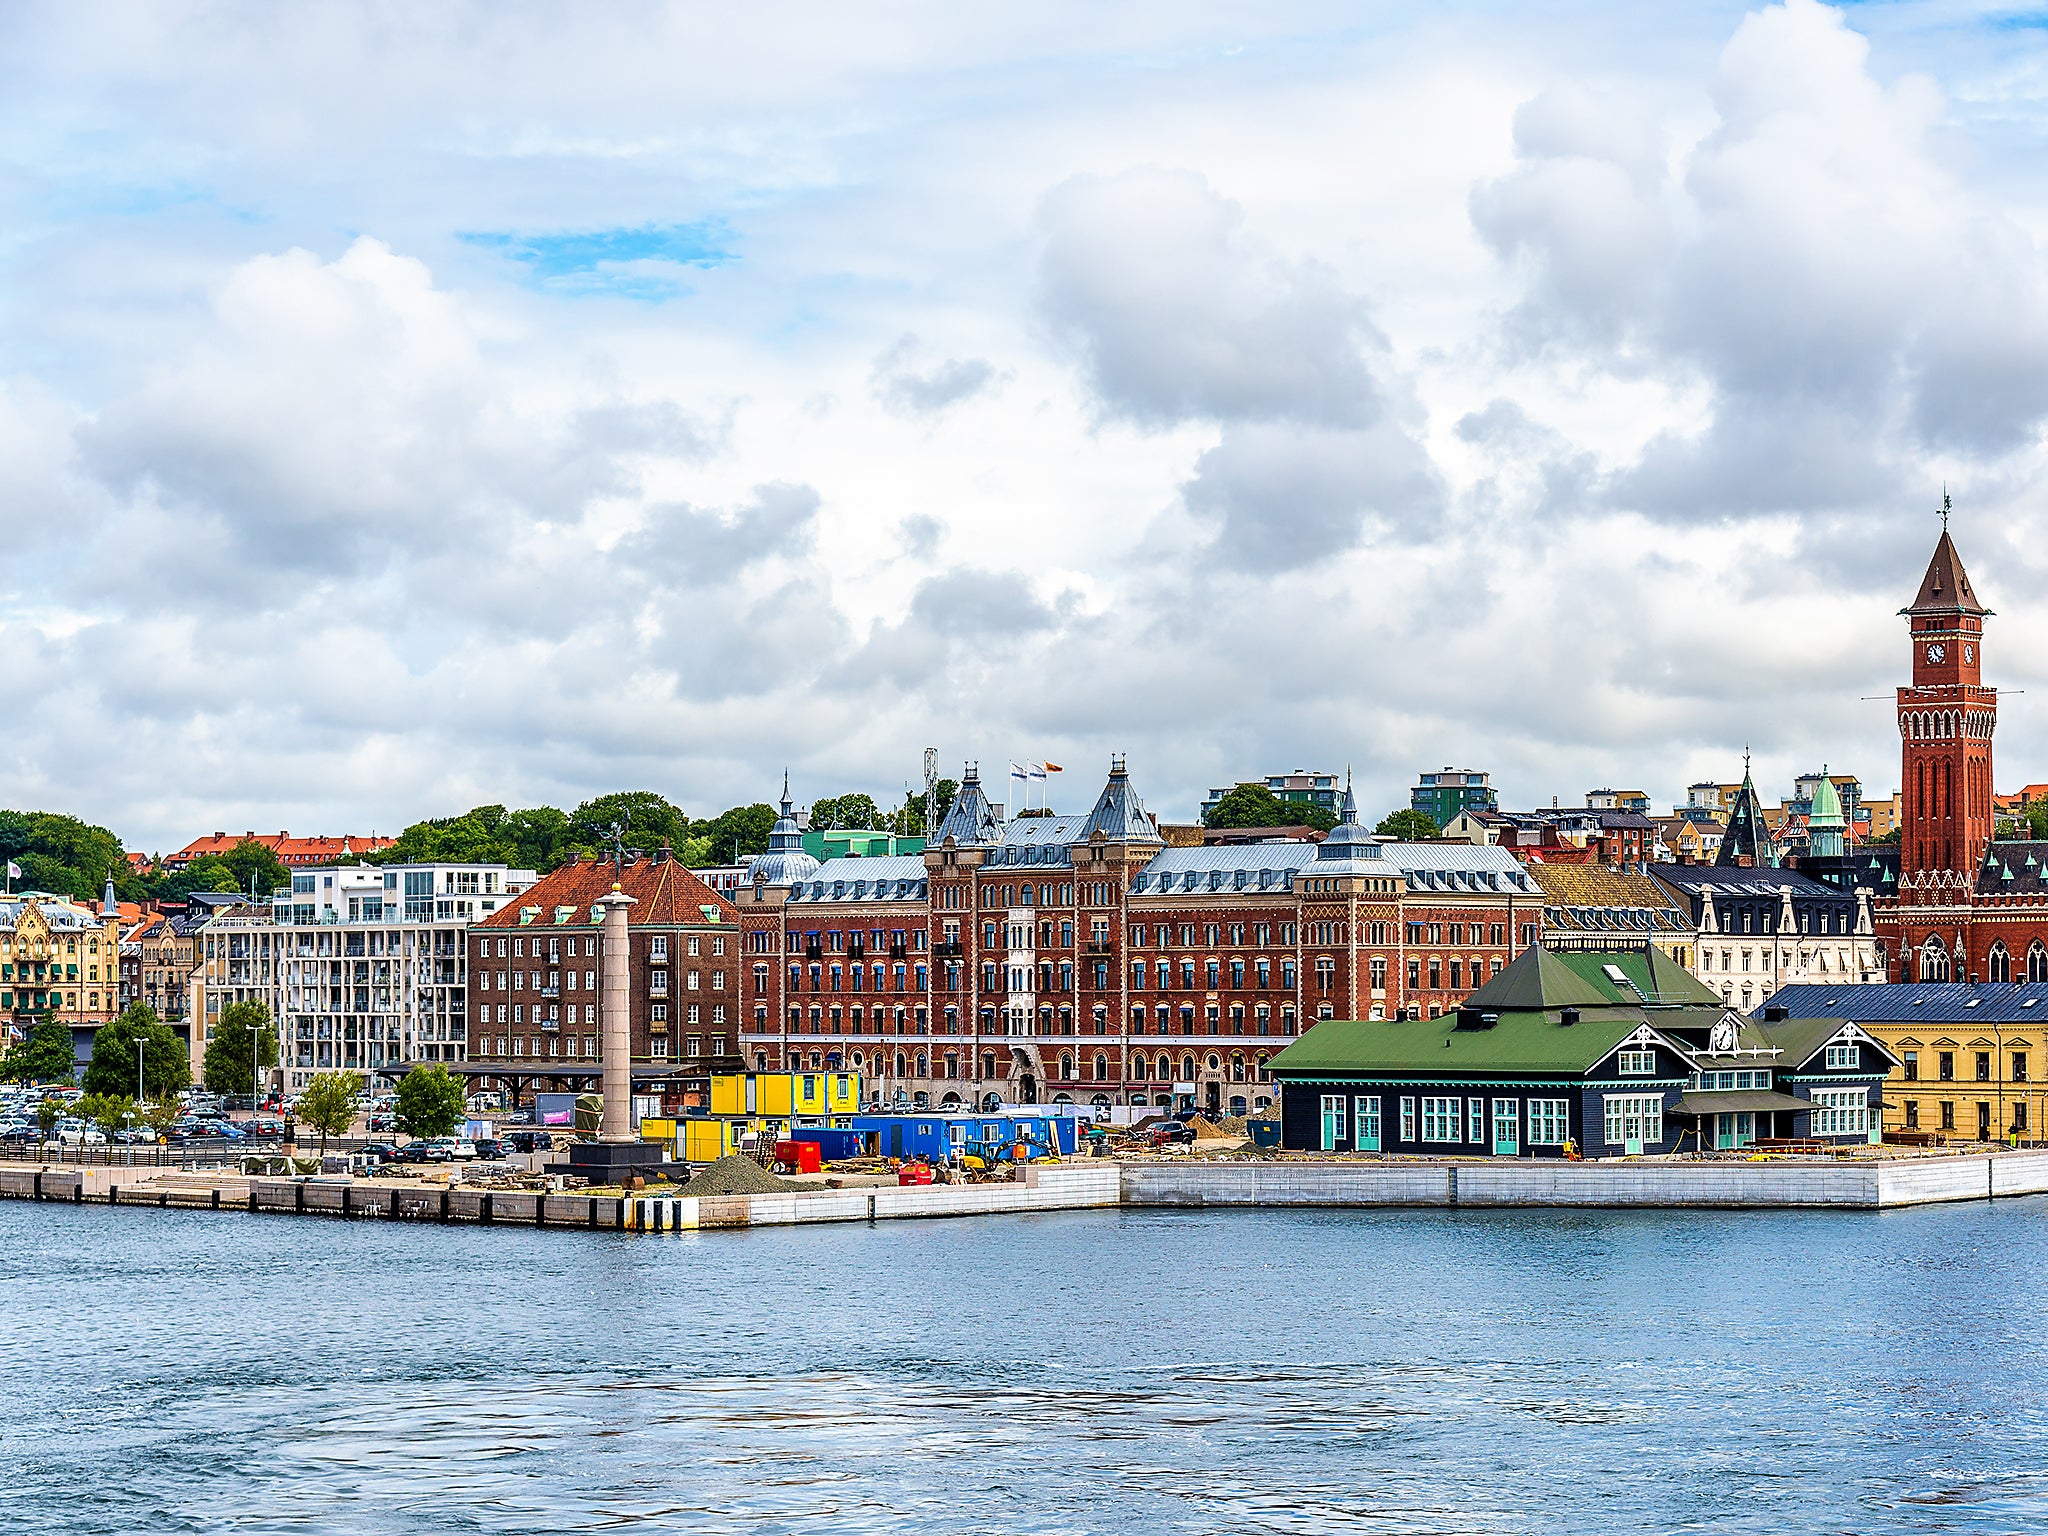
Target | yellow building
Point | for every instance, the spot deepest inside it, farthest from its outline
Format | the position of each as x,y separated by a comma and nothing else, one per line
1970,1056
59,958
779,1095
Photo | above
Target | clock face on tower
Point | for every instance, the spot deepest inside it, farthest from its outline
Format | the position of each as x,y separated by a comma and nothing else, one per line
1936,651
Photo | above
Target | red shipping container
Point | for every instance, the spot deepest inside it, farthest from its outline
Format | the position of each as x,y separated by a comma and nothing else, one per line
802,1156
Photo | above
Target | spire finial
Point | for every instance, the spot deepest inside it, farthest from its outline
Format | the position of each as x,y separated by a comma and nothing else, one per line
1944,506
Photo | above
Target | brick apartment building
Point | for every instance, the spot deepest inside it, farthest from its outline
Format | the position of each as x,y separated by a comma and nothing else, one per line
1078,957
535,980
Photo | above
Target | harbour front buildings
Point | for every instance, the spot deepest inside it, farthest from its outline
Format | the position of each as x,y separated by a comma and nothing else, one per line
1077,957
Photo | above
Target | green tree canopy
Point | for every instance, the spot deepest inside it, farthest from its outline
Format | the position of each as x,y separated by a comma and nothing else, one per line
210,873
43,1055
844,813
649,820
64,855
738,833
228,1044
109,1111
329,1102
1409,824
1252,805
166,1060
255,866
431,1101
909,820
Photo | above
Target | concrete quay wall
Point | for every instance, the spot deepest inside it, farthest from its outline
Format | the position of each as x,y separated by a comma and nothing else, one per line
1759,1185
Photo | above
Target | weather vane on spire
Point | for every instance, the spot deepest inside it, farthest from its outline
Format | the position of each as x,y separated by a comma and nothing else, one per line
1944,506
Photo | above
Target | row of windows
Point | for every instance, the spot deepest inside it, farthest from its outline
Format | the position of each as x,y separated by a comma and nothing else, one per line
556,945
1945,1065
586,1013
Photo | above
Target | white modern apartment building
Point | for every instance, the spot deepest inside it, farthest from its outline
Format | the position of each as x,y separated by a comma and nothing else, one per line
361,965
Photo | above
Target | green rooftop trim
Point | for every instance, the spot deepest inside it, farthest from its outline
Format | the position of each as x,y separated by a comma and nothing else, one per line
1521,1043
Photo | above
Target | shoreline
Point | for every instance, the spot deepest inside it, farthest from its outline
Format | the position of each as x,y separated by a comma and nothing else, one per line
1089,1184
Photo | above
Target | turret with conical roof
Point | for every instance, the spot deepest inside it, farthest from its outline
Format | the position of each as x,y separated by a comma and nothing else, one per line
1117,815
786,861
1826,826
1747,841
970,821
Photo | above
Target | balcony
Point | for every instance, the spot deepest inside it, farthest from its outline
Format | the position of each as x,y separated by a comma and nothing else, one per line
551,1025
898,951
550,991
947,950
1099,947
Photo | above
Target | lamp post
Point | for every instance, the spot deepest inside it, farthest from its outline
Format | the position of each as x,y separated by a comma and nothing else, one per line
140,1095
255,1041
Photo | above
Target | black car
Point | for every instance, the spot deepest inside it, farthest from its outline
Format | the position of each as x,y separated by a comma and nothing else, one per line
527,1141
424,1152
382,1151
23,1134
491,1149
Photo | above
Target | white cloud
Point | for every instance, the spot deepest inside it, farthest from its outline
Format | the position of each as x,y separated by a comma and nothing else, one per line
1561,394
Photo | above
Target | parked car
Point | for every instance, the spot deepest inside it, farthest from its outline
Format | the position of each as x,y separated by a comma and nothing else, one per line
76,1133
529,1141
1173,1133
381,1151
491,1149
21,1135
425,1152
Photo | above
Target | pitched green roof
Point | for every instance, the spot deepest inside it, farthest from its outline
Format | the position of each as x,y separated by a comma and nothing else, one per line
1521,1043
1572,978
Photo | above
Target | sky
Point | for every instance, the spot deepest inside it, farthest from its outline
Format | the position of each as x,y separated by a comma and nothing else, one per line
406,408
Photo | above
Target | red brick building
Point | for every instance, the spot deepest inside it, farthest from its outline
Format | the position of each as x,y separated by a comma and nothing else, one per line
535,983
1963,907
1079,957
298,852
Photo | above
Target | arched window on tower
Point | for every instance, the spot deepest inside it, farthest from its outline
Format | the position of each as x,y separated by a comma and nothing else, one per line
2037,961
1998,964
1933,960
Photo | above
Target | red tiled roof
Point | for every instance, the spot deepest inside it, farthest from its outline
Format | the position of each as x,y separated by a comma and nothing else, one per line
667,895
289,849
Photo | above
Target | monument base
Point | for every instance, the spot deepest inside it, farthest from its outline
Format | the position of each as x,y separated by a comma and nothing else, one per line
606,1162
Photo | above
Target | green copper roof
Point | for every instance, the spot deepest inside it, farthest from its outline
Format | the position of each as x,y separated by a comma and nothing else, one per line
1827,805
1546,979
1520,1043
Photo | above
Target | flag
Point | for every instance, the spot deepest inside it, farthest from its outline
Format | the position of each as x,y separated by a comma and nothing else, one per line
1054,768
1017,770
1037,770
13,870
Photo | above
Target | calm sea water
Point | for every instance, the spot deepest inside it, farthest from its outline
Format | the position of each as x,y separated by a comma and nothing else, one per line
1087,1372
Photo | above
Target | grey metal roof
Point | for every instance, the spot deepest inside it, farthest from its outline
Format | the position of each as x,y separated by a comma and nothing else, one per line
60,912
1459,867
1734,880
893,877
1230,867
1117,815
1038,840
1910,1002
787,860
970,821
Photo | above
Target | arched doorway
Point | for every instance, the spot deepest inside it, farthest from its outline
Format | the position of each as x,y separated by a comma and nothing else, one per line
1027,1090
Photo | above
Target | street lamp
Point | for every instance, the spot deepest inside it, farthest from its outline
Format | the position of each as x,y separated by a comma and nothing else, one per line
140,1095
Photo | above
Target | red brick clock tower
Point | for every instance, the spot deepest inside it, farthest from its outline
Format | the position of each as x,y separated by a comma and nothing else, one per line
1945,723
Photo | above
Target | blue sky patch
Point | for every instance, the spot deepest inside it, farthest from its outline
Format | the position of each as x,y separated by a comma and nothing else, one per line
643,262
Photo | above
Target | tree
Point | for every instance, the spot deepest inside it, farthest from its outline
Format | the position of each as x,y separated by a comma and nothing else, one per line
253,866
210,873
63,855
1886,840
161,1116
166,1061
909,821
48,1113
1251,805
841,813
227,1063
735,834
109,1111
1409,825
42,1056
648,819
328,1104
431,1101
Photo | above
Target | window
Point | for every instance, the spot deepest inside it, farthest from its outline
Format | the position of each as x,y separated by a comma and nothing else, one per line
1841,1112
2019,1066
1634,1117
1912,1114
1638,1063
1368,1123
1911,1065
1983,1066
1548,1122
657,946
1844,1057
1440,1118
1475,1120
1408,1120
1946,1065
1948,1114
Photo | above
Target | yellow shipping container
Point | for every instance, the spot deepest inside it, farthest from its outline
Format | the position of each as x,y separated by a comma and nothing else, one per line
786,1093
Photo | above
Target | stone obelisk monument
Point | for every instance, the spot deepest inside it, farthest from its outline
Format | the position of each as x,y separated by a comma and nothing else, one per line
618,1150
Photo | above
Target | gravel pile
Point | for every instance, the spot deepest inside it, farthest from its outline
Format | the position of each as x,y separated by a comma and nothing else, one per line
733,1175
